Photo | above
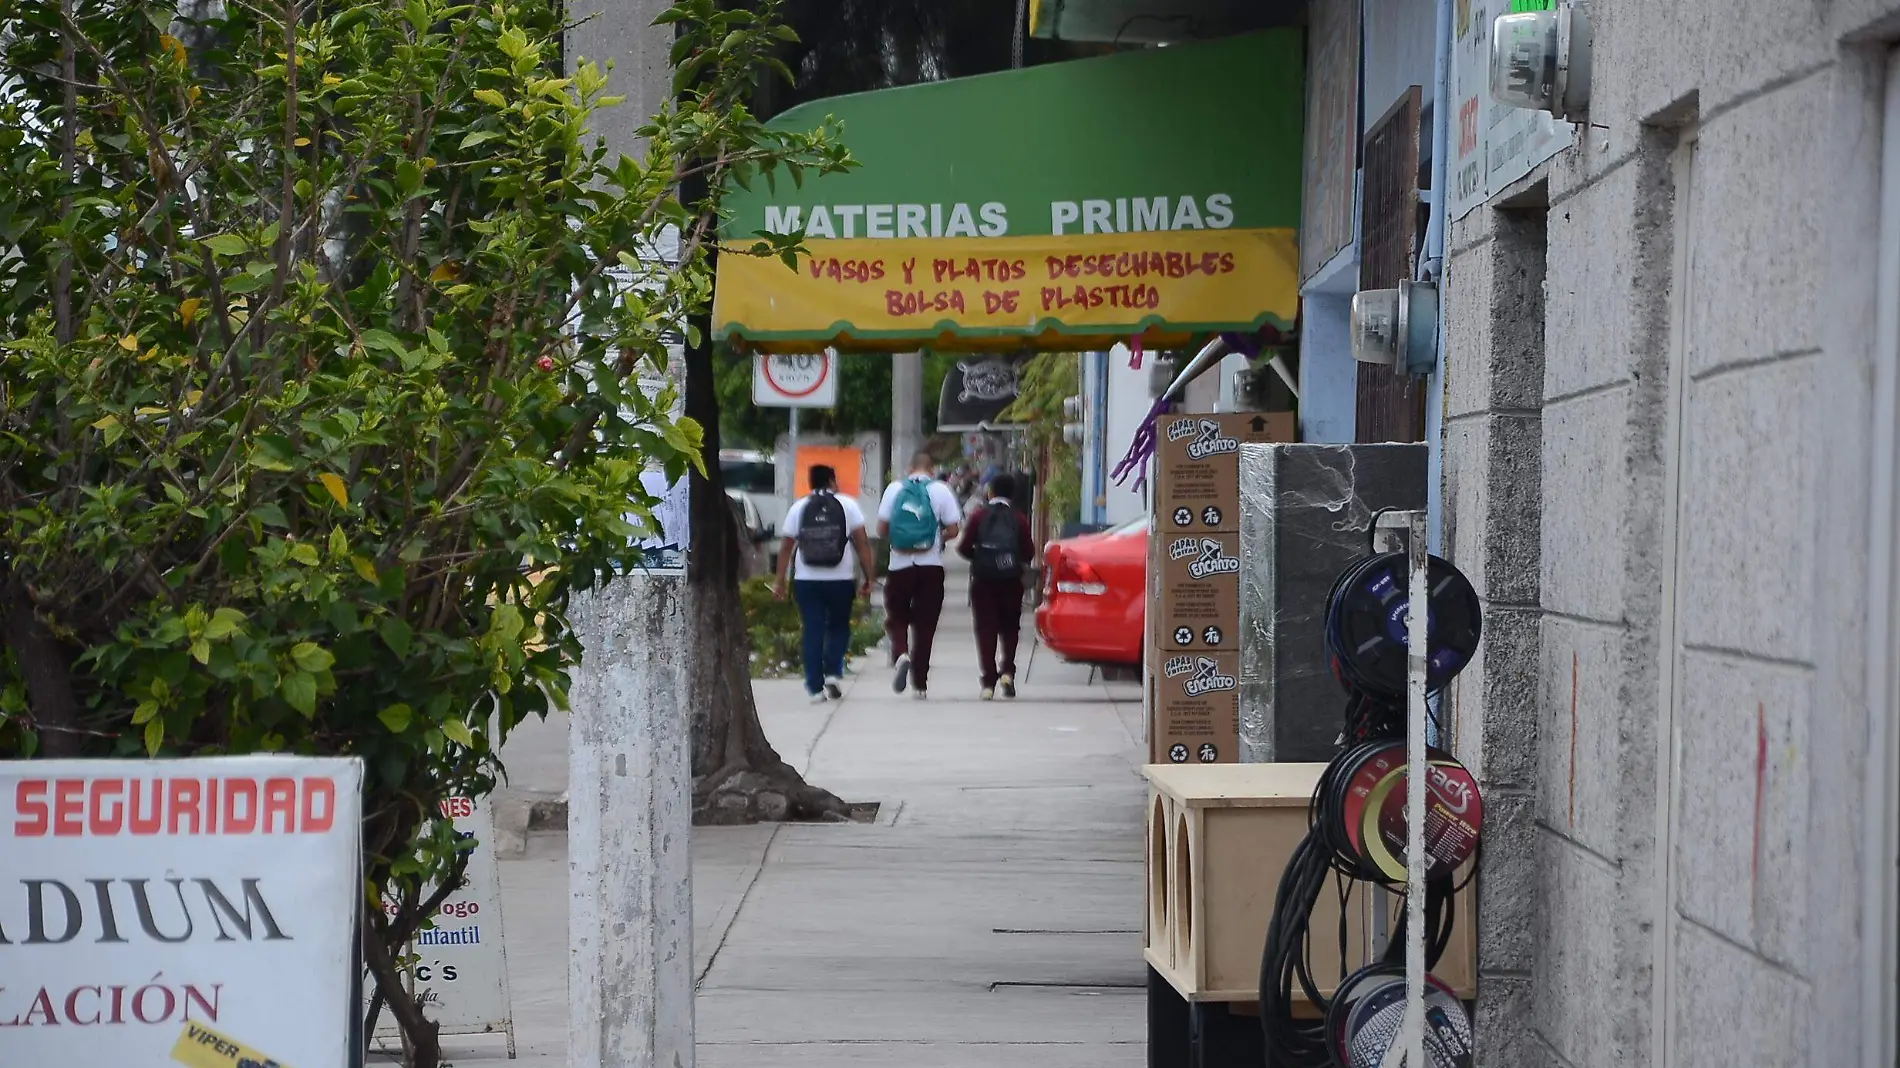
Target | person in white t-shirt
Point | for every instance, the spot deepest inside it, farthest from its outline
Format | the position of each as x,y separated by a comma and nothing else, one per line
820,530
917,515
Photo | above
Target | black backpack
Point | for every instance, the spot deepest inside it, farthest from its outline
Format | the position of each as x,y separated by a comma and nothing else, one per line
821,530
998,545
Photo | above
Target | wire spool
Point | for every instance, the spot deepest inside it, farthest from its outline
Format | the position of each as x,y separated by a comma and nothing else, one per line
1366,632
1352,990
1359,812
1376,1017
1328,850
1454,818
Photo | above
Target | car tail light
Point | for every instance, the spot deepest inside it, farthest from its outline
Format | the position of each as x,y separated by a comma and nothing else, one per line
1076,576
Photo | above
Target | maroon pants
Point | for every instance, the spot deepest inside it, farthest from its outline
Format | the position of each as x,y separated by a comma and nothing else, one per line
998,607
913,602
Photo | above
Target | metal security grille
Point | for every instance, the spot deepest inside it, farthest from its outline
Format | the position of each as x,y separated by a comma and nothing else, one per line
1391,407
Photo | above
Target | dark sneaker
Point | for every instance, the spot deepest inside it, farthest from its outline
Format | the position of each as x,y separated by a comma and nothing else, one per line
1008,683
901,680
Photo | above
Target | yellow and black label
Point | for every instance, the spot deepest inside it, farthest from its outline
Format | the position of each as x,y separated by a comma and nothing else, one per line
201,1047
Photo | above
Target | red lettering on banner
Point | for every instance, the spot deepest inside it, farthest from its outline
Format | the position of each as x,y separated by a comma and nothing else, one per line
236,790
88,1005
42,1004
69,802
898,302
976,270
72,1006
842,271
1139,264
143,824
108,812
184,804
29,797
108,807
323,790
993,302
280,806
1139,298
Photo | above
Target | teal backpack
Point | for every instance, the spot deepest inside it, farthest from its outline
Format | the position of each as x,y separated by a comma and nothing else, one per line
913,518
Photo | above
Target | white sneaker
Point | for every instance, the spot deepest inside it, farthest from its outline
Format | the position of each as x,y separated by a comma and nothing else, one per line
989,693
1008,683
901,679
920,695
834,688
819,698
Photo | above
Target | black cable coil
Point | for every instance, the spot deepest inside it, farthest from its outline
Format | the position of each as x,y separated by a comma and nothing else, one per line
1365,633
1286,964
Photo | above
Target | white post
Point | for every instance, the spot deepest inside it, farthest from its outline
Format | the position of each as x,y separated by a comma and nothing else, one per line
1412,1029
630,910
791,484
907,408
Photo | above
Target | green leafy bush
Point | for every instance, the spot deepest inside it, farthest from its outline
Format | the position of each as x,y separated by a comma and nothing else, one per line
777,640
332,350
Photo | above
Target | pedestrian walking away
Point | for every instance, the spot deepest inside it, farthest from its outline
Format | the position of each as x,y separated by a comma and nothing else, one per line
999,545
820,529
916,516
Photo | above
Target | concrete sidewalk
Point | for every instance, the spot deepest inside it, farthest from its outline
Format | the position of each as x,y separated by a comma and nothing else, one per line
990,917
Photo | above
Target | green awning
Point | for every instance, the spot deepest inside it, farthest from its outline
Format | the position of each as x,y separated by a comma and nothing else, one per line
1152,193
1156,21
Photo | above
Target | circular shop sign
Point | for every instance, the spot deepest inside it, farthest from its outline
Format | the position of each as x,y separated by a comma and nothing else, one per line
798,374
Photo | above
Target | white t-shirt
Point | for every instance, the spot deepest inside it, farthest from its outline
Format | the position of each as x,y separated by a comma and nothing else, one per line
853,522
942,501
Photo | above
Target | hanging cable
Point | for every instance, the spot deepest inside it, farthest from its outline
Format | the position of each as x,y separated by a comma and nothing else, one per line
1351,837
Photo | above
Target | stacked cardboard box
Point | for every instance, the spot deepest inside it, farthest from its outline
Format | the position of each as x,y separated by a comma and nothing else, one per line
1194,584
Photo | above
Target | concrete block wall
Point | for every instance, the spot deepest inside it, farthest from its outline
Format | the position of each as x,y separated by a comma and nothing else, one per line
1655,469
1494,482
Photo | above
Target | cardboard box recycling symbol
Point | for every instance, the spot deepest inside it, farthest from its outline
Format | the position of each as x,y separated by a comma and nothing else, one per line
1199,698
1197,485
1200,592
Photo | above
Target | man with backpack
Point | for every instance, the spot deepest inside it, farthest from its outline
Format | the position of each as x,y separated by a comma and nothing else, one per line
917,515
999,545
819,529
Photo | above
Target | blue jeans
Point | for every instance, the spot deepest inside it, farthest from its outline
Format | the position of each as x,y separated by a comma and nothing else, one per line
825,606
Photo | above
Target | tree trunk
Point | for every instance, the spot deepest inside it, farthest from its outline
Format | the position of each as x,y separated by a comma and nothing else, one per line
44,664
737,776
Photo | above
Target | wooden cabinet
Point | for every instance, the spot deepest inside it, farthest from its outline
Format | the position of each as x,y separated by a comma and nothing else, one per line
1219,836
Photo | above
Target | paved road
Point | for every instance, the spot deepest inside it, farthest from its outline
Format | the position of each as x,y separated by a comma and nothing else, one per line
989,918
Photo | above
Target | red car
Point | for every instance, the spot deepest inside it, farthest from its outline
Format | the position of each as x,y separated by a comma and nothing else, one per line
1094,597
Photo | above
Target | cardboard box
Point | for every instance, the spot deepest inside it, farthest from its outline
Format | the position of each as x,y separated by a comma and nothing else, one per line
1196,715
1199,595
1197,466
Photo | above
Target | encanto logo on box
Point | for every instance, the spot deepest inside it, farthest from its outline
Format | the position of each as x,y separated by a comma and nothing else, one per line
1210,442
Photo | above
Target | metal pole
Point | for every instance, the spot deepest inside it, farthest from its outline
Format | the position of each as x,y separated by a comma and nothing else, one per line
791,461
1411,1043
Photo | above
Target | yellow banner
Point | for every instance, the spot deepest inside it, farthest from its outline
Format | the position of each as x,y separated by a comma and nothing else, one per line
1034,290
201,1047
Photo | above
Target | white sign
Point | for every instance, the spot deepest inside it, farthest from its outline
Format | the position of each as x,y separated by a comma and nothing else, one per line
806,380
665,552
461,971
1493,144
163,912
